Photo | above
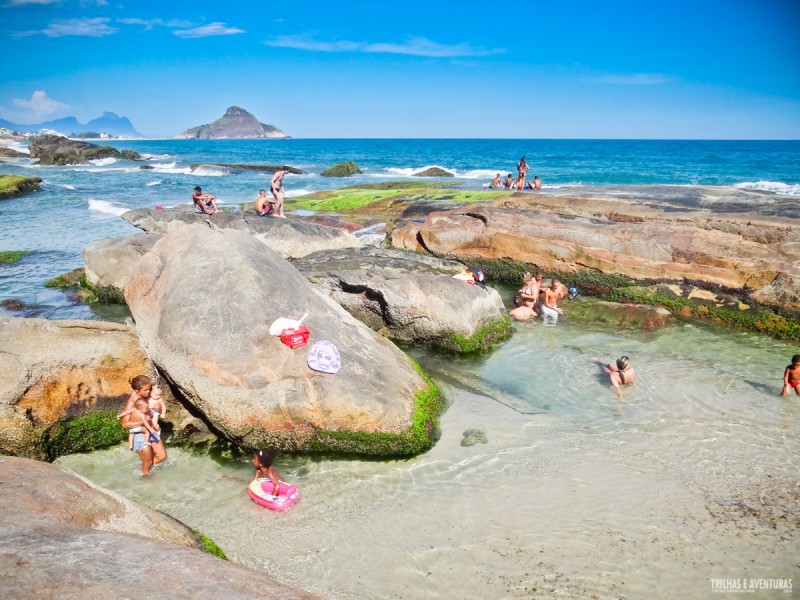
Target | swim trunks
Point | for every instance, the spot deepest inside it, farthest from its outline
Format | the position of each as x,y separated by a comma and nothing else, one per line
548,314
139,442
794,383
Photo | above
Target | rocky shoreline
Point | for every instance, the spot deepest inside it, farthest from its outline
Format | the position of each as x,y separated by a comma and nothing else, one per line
688,253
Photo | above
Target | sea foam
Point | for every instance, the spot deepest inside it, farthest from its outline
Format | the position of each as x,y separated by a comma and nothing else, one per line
152,183
104,162
210,171
107,208
785,189
170,168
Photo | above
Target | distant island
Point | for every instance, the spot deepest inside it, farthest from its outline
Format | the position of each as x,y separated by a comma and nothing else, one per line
107,125
236,123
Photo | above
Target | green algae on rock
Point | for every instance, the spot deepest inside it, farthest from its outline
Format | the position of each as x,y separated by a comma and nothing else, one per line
12,186
87,291
94,430
434,172
484,338
344,169
382,201
418,438
8,257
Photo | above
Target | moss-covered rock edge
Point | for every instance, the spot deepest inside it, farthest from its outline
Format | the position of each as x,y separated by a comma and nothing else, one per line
97,429
419,437
208,545
89,292
776,322
484,338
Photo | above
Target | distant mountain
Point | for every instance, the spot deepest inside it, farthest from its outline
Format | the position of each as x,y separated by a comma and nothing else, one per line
236,123
113,125
109,123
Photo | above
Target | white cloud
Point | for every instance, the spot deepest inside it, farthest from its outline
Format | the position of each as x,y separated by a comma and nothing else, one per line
412,47
149,24
216,28
25,2
96,27
634,79
40,104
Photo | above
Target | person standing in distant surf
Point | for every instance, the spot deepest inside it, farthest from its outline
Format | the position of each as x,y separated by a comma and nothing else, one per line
276,187
522,168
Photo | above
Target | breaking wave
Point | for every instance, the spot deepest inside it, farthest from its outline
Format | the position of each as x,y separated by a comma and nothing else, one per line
778,187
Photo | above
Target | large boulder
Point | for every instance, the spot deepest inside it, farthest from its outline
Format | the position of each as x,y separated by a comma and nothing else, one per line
205,323
64,537
108,263
54,372
709,243
291,238
409,297
58,150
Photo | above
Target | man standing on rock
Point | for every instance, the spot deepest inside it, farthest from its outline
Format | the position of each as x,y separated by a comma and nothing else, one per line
276,187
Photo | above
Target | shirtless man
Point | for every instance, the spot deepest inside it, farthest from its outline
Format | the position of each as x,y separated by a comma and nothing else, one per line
276,187
264,206
509,183
495,182
531,288
548,308
204,203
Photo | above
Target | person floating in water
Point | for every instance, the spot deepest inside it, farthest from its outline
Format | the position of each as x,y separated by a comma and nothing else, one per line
791,377
620,373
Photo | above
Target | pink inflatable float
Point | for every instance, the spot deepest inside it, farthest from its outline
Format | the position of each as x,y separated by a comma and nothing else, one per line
261,492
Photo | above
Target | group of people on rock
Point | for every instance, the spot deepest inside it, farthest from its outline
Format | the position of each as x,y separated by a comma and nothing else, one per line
264,206
519,183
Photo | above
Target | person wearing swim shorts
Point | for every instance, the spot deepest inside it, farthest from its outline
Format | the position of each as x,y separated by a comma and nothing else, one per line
276,188
548,307
791,377
150,453
204,203
264,206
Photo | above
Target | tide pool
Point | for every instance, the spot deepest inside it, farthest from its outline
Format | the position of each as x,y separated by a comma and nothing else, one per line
691,475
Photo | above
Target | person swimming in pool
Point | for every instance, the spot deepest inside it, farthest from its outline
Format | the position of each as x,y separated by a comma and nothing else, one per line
620,372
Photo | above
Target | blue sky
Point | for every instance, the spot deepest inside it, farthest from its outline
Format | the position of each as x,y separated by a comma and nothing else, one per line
707,69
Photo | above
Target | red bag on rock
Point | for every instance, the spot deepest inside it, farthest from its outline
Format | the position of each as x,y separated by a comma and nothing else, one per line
295,337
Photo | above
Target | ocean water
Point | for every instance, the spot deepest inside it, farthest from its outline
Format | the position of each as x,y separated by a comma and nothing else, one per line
81,204
693,474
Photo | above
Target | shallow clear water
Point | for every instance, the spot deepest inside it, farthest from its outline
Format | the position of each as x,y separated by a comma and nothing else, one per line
691,475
